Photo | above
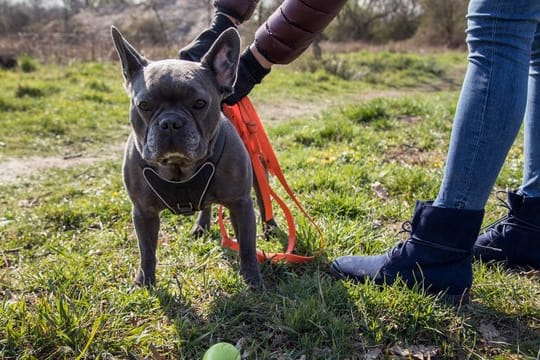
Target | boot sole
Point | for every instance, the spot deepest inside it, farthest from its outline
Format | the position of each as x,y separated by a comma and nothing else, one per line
456,300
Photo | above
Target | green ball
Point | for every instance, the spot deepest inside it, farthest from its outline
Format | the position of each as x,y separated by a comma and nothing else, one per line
222,351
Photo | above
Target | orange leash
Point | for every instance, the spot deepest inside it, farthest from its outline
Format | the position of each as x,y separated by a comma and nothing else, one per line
245,119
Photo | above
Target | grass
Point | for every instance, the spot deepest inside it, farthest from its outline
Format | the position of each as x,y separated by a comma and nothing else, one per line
68,251
389,69
55,110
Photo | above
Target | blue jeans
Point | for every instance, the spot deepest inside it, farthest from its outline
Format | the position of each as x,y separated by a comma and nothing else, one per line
501,90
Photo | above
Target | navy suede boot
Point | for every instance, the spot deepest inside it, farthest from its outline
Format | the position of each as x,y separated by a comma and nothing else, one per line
514,238
437,255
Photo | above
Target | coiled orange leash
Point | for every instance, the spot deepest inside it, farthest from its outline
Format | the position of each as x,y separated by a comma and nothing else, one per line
245,119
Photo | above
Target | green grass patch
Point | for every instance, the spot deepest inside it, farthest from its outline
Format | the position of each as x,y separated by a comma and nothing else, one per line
389,69
68,252
59,111
27,63
75,109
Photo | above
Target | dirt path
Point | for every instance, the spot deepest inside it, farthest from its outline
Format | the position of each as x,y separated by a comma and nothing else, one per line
15,169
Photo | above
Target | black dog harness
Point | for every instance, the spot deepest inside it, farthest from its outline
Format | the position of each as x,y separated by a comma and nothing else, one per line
186,197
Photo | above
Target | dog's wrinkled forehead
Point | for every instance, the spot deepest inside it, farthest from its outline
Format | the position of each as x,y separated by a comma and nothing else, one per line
174,78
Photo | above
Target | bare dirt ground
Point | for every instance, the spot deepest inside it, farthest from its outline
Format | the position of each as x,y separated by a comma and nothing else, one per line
16,169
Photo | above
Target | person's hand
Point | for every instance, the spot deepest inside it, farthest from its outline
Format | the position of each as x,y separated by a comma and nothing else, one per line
241,10
229,13
250,73
195,50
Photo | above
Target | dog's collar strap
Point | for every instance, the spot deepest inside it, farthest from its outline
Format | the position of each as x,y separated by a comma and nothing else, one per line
186,197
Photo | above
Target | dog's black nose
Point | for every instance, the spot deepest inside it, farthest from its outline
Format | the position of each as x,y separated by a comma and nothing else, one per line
171,123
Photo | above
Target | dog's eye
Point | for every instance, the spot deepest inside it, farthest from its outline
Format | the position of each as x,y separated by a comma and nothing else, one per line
145,106
199,104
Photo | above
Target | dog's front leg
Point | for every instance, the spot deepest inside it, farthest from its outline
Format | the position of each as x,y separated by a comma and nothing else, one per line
243,221
147,229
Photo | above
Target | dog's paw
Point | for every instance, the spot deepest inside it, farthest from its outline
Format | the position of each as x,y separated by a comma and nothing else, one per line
198,230
202,225
253,279
270,228
145,280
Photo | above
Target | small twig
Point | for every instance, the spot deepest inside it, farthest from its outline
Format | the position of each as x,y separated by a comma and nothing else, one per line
11,251
67,157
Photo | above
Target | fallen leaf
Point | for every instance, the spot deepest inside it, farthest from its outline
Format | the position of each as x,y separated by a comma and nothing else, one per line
424,352
155,353
377,223
531,273
379,190
421,352
488,331
373,354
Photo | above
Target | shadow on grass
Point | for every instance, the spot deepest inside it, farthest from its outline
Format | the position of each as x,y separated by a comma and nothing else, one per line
303,312
500,331
188,324
300,311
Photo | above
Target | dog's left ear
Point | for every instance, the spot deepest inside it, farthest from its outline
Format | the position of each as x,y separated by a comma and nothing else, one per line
222,59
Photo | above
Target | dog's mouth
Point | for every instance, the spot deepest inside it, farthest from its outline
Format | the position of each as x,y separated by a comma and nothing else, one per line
175,159
174,150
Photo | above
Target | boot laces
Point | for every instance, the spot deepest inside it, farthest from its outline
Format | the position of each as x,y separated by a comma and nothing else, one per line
406,227
492,229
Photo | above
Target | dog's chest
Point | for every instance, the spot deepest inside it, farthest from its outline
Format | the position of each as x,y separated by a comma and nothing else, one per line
182,197
187,196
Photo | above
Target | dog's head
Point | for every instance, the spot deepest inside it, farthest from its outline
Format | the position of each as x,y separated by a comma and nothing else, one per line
176,104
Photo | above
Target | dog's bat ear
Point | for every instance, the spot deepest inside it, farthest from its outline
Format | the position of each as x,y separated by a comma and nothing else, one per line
130,58
222,59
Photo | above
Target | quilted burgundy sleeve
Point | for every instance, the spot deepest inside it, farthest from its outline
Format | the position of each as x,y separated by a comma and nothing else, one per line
293,26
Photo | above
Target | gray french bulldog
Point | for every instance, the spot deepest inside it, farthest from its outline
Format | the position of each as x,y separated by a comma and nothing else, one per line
183,153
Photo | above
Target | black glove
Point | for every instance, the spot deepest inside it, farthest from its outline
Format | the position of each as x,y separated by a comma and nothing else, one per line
241,10
250,73
196,49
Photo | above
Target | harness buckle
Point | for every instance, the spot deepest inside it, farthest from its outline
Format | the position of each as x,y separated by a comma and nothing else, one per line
185,209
